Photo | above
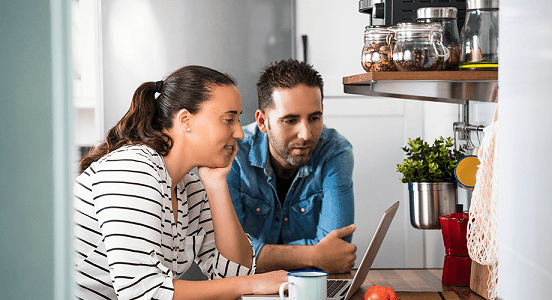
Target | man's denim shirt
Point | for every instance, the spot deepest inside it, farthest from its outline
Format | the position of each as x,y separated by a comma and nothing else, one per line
320,198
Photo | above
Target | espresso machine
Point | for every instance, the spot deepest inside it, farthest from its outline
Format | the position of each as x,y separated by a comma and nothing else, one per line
391,12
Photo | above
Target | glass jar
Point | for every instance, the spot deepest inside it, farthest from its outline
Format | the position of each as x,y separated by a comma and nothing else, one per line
479,36
451,38
377,53
419,47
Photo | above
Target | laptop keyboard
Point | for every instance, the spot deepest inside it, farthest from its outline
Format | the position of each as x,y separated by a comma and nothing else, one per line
334,286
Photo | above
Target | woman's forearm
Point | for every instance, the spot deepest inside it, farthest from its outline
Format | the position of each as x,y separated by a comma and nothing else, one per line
229,288
230,239
226,288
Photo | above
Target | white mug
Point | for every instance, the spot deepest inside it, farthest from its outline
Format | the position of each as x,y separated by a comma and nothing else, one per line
305,285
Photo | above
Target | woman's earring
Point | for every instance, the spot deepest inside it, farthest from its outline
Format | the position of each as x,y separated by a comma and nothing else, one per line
188,129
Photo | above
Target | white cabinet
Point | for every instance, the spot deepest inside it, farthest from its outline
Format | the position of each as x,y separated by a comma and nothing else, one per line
377,127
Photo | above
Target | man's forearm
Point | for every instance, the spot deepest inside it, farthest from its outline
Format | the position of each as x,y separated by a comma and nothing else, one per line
332,254
285,257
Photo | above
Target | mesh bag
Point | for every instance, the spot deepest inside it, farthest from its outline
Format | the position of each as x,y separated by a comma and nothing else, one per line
482,234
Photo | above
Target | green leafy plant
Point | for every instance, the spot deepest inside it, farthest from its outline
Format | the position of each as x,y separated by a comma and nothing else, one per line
425,163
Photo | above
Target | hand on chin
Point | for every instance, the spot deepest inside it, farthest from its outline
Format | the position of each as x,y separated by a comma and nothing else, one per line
215,173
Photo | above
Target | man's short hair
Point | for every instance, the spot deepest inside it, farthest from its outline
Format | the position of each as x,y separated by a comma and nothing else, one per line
286,74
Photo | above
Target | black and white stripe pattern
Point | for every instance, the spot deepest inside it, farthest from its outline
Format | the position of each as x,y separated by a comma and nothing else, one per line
127,244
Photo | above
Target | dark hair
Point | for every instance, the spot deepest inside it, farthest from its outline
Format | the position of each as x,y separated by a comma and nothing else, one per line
186,88
286,74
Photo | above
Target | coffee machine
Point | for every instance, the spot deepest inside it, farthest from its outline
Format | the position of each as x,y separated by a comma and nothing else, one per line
391,12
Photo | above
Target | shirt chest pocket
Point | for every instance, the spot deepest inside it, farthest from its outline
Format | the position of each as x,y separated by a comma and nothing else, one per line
257,213
305,213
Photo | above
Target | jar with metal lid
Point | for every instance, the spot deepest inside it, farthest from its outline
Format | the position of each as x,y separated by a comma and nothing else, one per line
479,36
377,52
451,38
419,47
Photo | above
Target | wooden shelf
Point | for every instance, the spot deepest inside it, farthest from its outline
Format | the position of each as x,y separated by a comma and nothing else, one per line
427,75
439,86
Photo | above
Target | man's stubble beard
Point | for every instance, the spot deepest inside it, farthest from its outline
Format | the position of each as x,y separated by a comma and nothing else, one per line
284,151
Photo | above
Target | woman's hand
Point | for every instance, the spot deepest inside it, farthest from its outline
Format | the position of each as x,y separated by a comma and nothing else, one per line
268,283
230,287
211,175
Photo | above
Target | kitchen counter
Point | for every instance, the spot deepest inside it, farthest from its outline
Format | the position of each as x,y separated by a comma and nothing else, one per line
414,281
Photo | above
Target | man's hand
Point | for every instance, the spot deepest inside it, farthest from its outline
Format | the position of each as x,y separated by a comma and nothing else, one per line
333,254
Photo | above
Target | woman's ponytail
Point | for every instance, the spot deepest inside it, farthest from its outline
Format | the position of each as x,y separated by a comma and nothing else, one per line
138,126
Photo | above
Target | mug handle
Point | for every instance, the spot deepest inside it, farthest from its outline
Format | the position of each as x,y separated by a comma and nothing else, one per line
281,291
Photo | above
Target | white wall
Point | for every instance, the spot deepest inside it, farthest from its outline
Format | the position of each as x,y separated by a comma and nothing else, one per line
525,165
438,119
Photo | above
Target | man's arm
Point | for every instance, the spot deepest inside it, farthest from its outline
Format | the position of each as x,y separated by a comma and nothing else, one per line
331,249
332,254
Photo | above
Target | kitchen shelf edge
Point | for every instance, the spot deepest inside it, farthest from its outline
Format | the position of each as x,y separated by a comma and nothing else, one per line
442,86
421,75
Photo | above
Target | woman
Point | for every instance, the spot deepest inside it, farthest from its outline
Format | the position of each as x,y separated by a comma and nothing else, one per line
141,219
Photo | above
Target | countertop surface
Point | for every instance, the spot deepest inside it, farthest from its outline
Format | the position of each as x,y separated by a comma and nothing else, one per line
411,283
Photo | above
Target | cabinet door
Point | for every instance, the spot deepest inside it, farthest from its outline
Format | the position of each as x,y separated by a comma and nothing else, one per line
378,128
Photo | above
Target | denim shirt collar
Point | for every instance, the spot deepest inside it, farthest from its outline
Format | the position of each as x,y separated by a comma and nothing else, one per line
258,157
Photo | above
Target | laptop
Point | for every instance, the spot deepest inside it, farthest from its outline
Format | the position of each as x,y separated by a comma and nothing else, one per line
343,289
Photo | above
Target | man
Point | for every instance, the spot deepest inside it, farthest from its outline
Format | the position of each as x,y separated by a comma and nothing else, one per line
291,182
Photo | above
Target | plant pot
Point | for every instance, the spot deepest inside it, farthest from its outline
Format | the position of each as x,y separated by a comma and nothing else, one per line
429,201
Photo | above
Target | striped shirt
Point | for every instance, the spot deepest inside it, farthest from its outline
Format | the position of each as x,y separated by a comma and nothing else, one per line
127,243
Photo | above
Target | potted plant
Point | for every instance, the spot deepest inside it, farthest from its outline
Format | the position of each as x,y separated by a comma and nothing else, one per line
429,172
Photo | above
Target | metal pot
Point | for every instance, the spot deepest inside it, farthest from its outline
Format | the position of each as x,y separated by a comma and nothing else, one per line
429,201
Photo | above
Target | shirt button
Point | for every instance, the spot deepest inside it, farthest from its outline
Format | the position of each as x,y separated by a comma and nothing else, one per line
302,209
285,219
258,209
